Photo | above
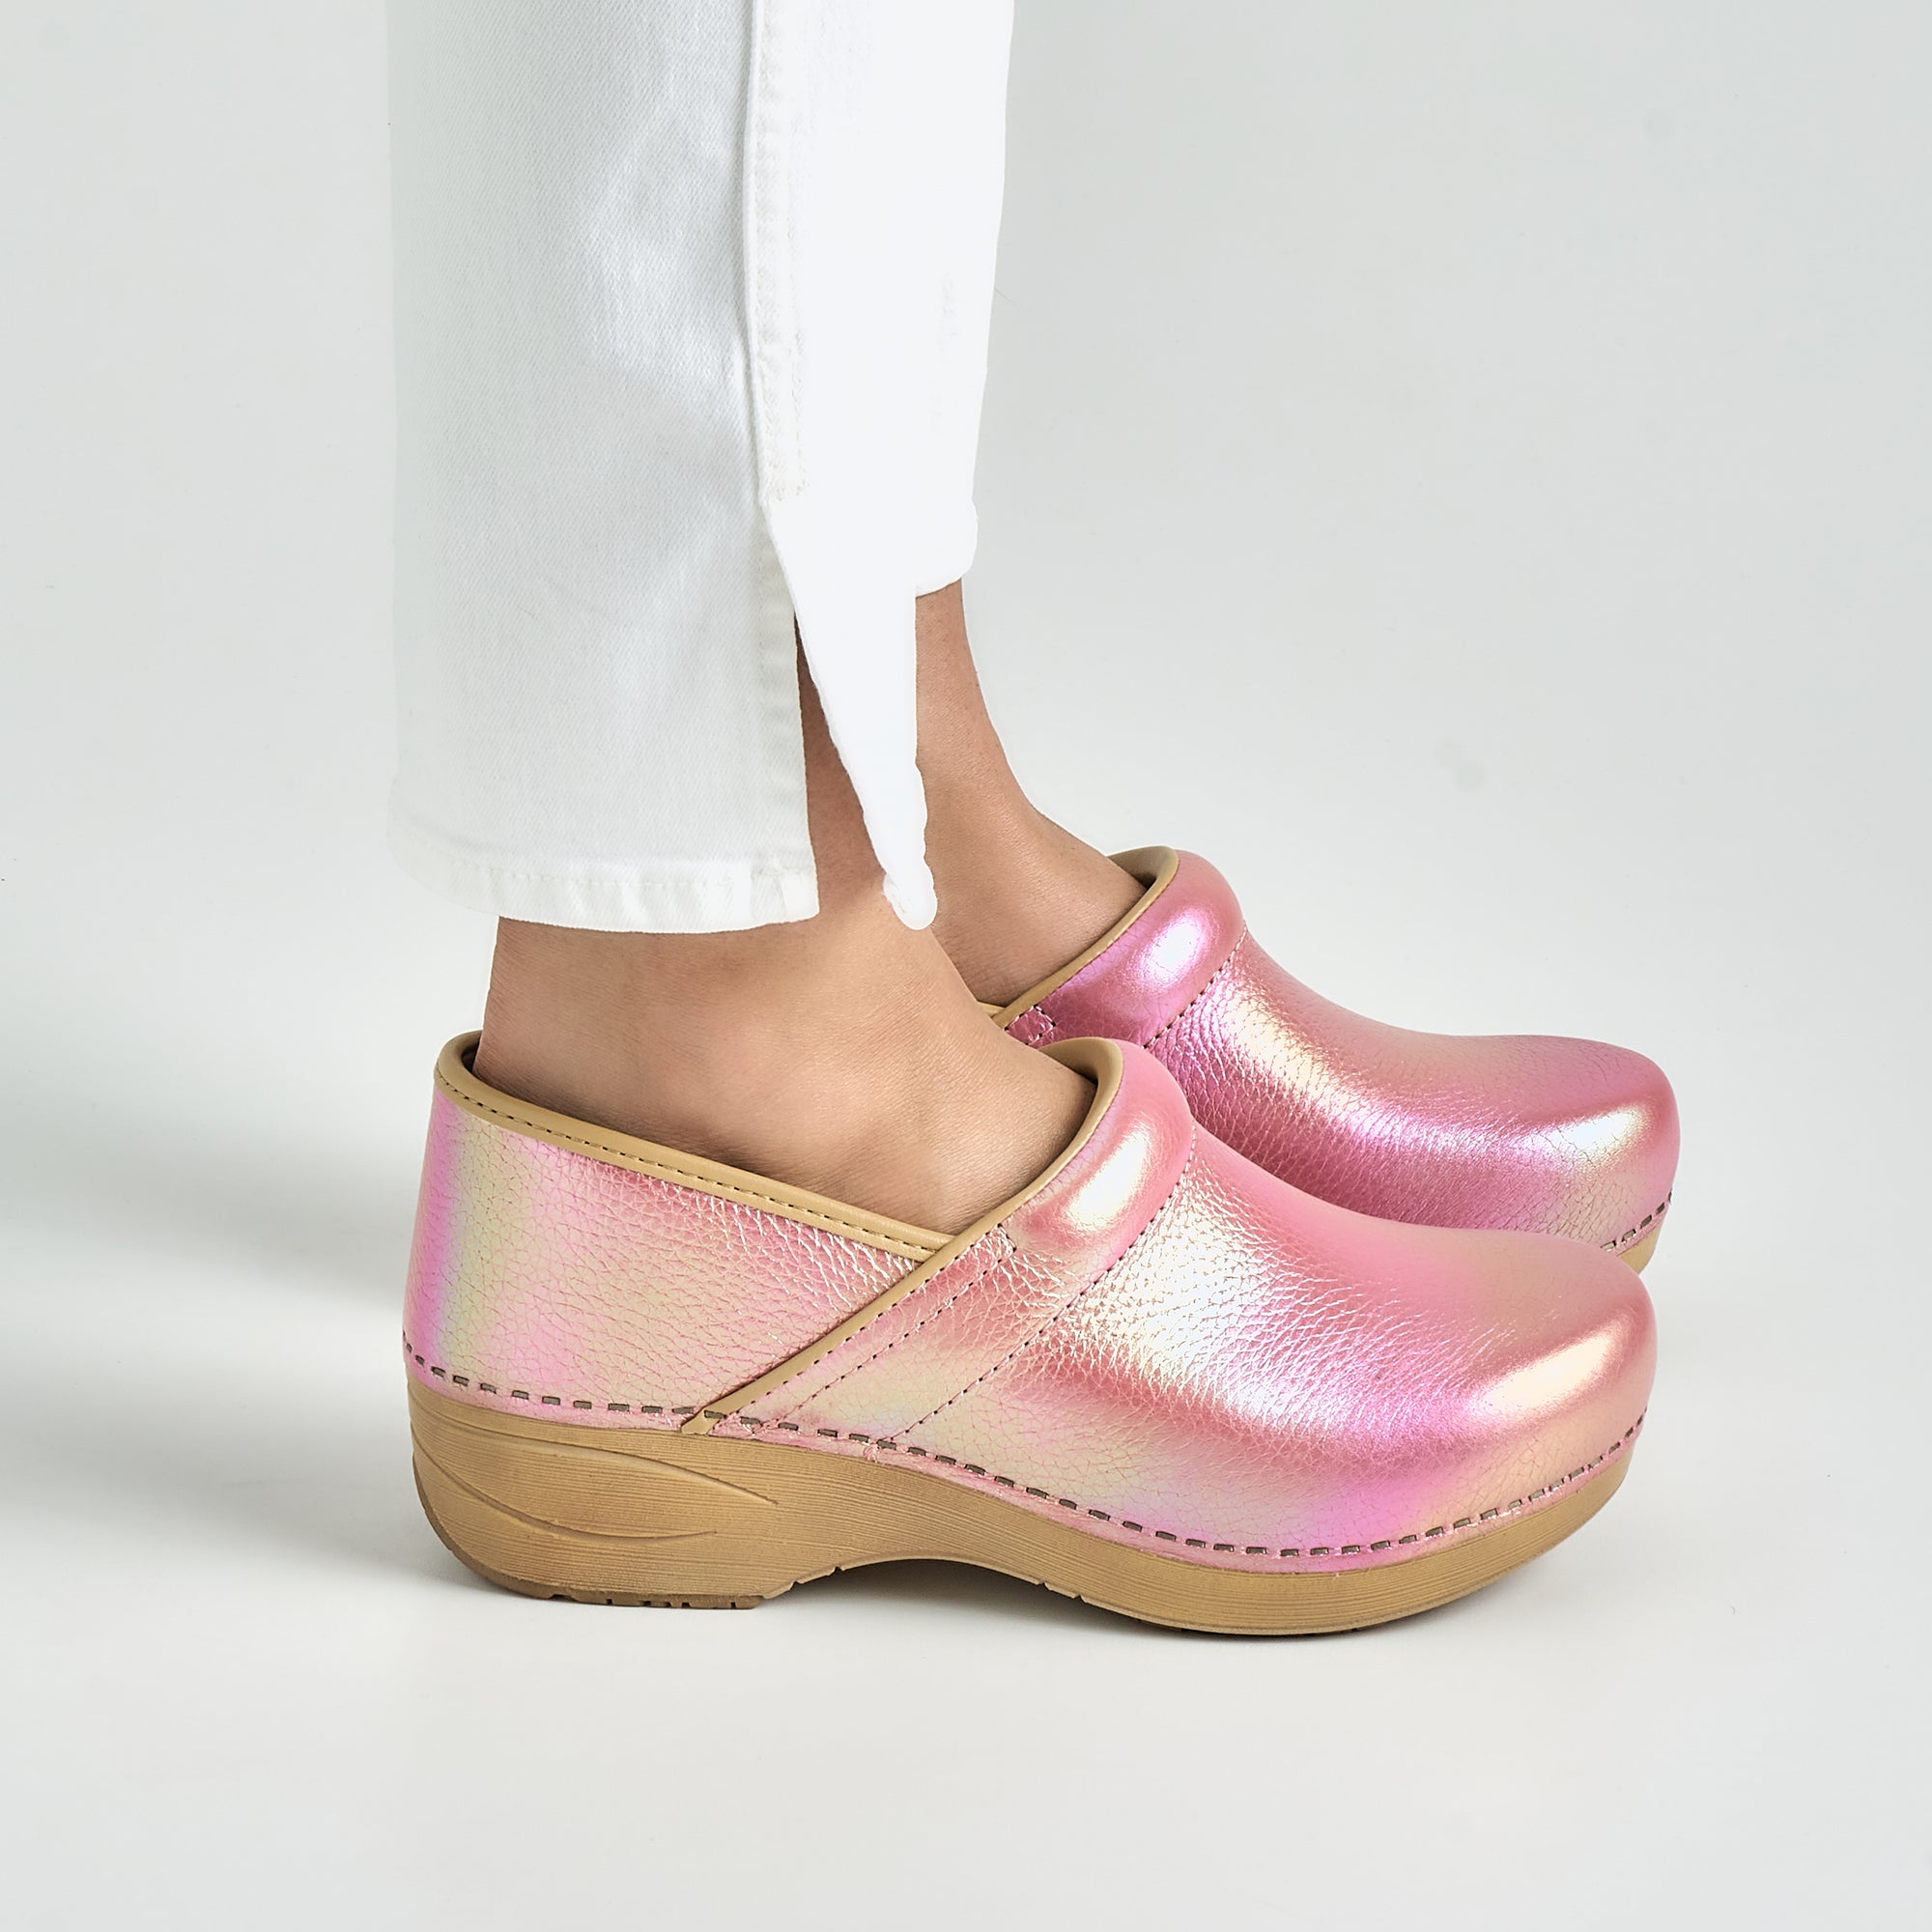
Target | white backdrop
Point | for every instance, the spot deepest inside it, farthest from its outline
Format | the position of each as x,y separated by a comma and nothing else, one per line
1466,469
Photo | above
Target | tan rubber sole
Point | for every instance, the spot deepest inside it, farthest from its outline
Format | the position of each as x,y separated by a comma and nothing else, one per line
1639,1255
649,1517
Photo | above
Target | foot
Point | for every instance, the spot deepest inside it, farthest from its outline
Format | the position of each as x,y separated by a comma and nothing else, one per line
1017,894
842,1053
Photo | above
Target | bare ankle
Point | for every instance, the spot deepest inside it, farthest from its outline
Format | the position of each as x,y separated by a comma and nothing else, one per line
842,1053
1018,895
1018,904
852,1063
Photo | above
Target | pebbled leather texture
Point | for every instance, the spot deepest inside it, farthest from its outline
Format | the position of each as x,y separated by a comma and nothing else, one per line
1158,1340
542,1279
1534,1134
1257,1378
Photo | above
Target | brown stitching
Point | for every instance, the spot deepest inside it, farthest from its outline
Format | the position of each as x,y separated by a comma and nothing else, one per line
1232,951
1053,1024
665,1171
546,1400
1650,1220
1436,1531
1614,1246
1068,1307
826,1346
932,1314
1101,1516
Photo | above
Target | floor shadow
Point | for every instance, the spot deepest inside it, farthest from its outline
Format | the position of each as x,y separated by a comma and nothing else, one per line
964,1587
961,1586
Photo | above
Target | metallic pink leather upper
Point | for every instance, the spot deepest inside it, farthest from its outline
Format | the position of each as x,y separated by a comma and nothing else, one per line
1161,1342
1544,1135
541,1278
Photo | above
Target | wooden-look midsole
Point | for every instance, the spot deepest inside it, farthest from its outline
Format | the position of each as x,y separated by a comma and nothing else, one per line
647,1516
1639,1255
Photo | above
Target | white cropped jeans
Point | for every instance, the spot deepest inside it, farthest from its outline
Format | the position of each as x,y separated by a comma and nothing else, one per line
692,306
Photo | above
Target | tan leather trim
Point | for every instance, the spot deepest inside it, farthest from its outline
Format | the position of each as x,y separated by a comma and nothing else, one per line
453,1076
1100,1061
1155,866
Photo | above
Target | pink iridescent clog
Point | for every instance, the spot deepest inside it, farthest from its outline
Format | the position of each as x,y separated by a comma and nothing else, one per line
1158,1378
1541,1135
